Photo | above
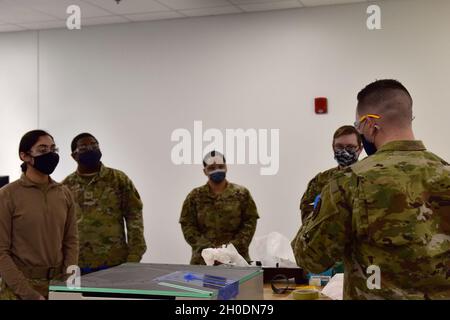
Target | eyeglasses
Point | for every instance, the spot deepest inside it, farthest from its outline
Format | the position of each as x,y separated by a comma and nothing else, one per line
349,148
87,147
356,124
213,167
281,284
43,149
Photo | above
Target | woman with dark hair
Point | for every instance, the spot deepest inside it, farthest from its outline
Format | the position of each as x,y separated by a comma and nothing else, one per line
38,227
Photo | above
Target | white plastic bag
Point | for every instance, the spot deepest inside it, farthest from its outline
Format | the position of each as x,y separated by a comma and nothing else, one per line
274,250
335,287
225,255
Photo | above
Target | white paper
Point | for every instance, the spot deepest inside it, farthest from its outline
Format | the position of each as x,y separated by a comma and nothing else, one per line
228,254
335,288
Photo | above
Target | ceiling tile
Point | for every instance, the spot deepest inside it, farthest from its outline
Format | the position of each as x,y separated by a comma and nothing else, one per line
43,14
252,1
286,4
102,20
312,3
193,4
11,11
10,27
44,25
154,16
129,6
211,11
57,8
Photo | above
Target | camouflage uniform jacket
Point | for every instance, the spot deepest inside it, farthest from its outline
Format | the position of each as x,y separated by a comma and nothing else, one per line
210,220
104,203
314,188
392,211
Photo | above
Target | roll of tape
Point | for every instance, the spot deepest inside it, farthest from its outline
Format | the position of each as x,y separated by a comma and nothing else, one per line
305,294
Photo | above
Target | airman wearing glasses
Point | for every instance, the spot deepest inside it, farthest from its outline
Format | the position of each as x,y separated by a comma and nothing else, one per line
387,216
346,148
107,203
38,226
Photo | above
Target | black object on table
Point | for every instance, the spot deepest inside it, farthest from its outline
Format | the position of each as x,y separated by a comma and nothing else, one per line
271,272
4,180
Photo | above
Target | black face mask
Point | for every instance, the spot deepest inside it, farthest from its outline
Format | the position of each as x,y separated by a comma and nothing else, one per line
369,147
46,163
91,158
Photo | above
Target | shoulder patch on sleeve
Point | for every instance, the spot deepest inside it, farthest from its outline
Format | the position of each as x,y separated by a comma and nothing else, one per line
334,187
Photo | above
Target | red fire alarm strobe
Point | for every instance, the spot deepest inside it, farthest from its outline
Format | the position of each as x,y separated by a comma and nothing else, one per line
321,105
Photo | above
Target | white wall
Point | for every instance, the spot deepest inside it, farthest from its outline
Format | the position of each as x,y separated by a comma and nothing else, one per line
132,84
18,95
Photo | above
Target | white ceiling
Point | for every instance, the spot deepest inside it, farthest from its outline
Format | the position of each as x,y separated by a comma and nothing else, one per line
18,15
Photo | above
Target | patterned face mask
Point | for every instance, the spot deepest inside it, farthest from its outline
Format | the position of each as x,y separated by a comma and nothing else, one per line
345,157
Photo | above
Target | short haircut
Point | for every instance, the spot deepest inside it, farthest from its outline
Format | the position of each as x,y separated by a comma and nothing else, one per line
388,98
347,130
75,140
